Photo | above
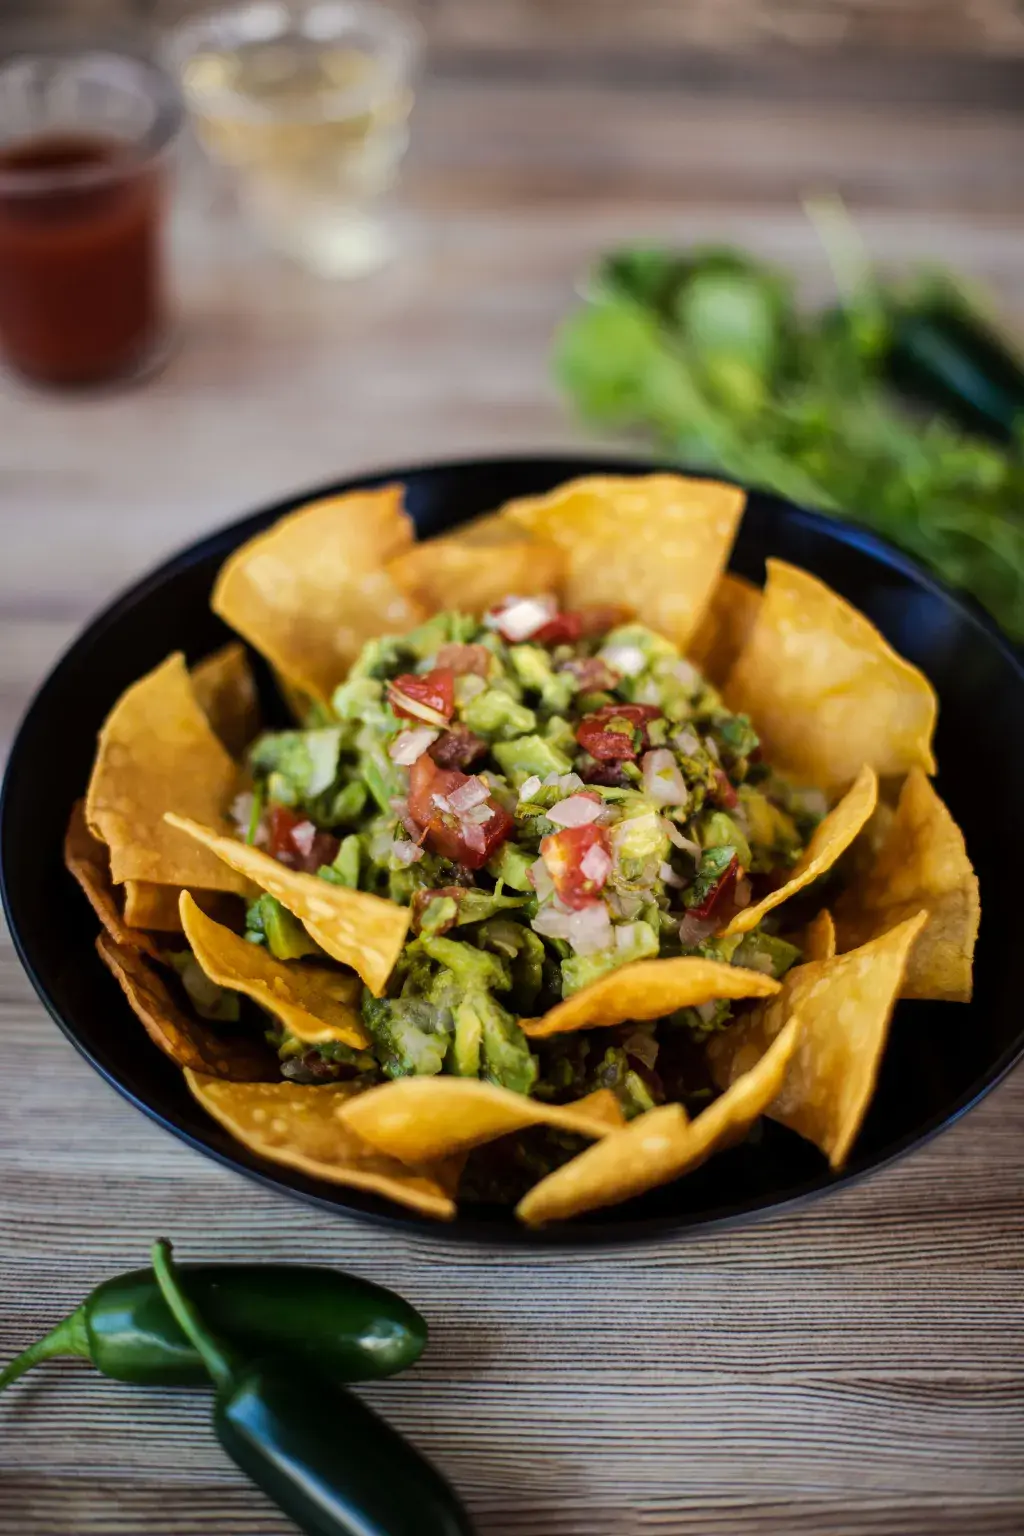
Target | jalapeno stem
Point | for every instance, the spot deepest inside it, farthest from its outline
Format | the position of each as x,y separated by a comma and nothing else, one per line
215,1355
68,1338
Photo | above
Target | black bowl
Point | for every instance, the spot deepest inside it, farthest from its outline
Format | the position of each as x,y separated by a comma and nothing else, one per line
941,1057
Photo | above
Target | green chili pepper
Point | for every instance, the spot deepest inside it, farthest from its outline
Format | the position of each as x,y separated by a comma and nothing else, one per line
324,1458
351,1329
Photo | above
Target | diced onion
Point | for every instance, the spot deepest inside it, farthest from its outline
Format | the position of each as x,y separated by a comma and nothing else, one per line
552,923
711,748
405,853
662,779
443,804
675,836
478,815
415,707
811,801
565,782
410,745
642,1045
742,892
590,929
530,788
625,935
473,836
687,674
694,930
687,742
521,617
706,1012
577,811
627,659
302,836
541,880
596,864
473,792
669,875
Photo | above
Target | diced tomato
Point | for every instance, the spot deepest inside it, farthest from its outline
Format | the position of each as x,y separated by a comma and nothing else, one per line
723,792
428,696
446,834
306,851
616,731
564,852
463,659
282,824
563,629
720,893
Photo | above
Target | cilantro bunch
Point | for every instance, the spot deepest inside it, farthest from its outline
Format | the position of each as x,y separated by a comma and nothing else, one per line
706,354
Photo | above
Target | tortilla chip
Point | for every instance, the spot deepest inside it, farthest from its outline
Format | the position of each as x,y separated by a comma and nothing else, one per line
225,690
845,1004
826,693
299,1125
819,937
832,836
178,1034
660,1145
156,906
657,542
365,932
922,863
88,860
157,752
477,566
725,628
310,591
314,1003
419,1119
649,989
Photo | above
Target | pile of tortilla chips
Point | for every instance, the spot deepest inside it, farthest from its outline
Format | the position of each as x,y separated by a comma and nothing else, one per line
836,709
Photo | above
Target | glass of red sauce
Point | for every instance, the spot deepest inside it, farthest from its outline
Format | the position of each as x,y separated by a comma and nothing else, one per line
84,150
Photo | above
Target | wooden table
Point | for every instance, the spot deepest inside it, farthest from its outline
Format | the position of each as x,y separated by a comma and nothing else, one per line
857,1367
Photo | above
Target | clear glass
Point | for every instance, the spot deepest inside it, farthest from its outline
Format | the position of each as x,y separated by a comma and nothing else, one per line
84,138
308,104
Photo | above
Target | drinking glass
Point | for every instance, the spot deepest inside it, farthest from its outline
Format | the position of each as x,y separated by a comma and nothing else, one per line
308,105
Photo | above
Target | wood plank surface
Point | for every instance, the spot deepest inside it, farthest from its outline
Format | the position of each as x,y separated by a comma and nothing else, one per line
854,1368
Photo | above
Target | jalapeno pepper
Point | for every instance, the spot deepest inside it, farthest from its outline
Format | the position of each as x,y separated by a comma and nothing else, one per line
325,1459
352,1329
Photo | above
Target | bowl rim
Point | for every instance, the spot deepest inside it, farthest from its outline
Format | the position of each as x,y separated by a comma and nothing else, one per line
360,1204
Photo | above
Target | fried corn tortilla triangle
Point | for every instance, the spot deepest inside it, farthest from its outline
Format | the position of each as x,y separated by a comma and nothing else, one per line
725,627
156,906
845,1005
922,863
225,691
364,932
649,989
656,542
315,1004
157,752
419,1119
178,1034
818,940
477,566
825,691
308,592
660,1145
299,1126
831,838
89,861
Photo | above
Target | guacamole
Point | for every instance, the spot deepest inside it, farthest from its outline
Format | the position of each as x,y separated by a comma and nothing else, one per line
554,795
